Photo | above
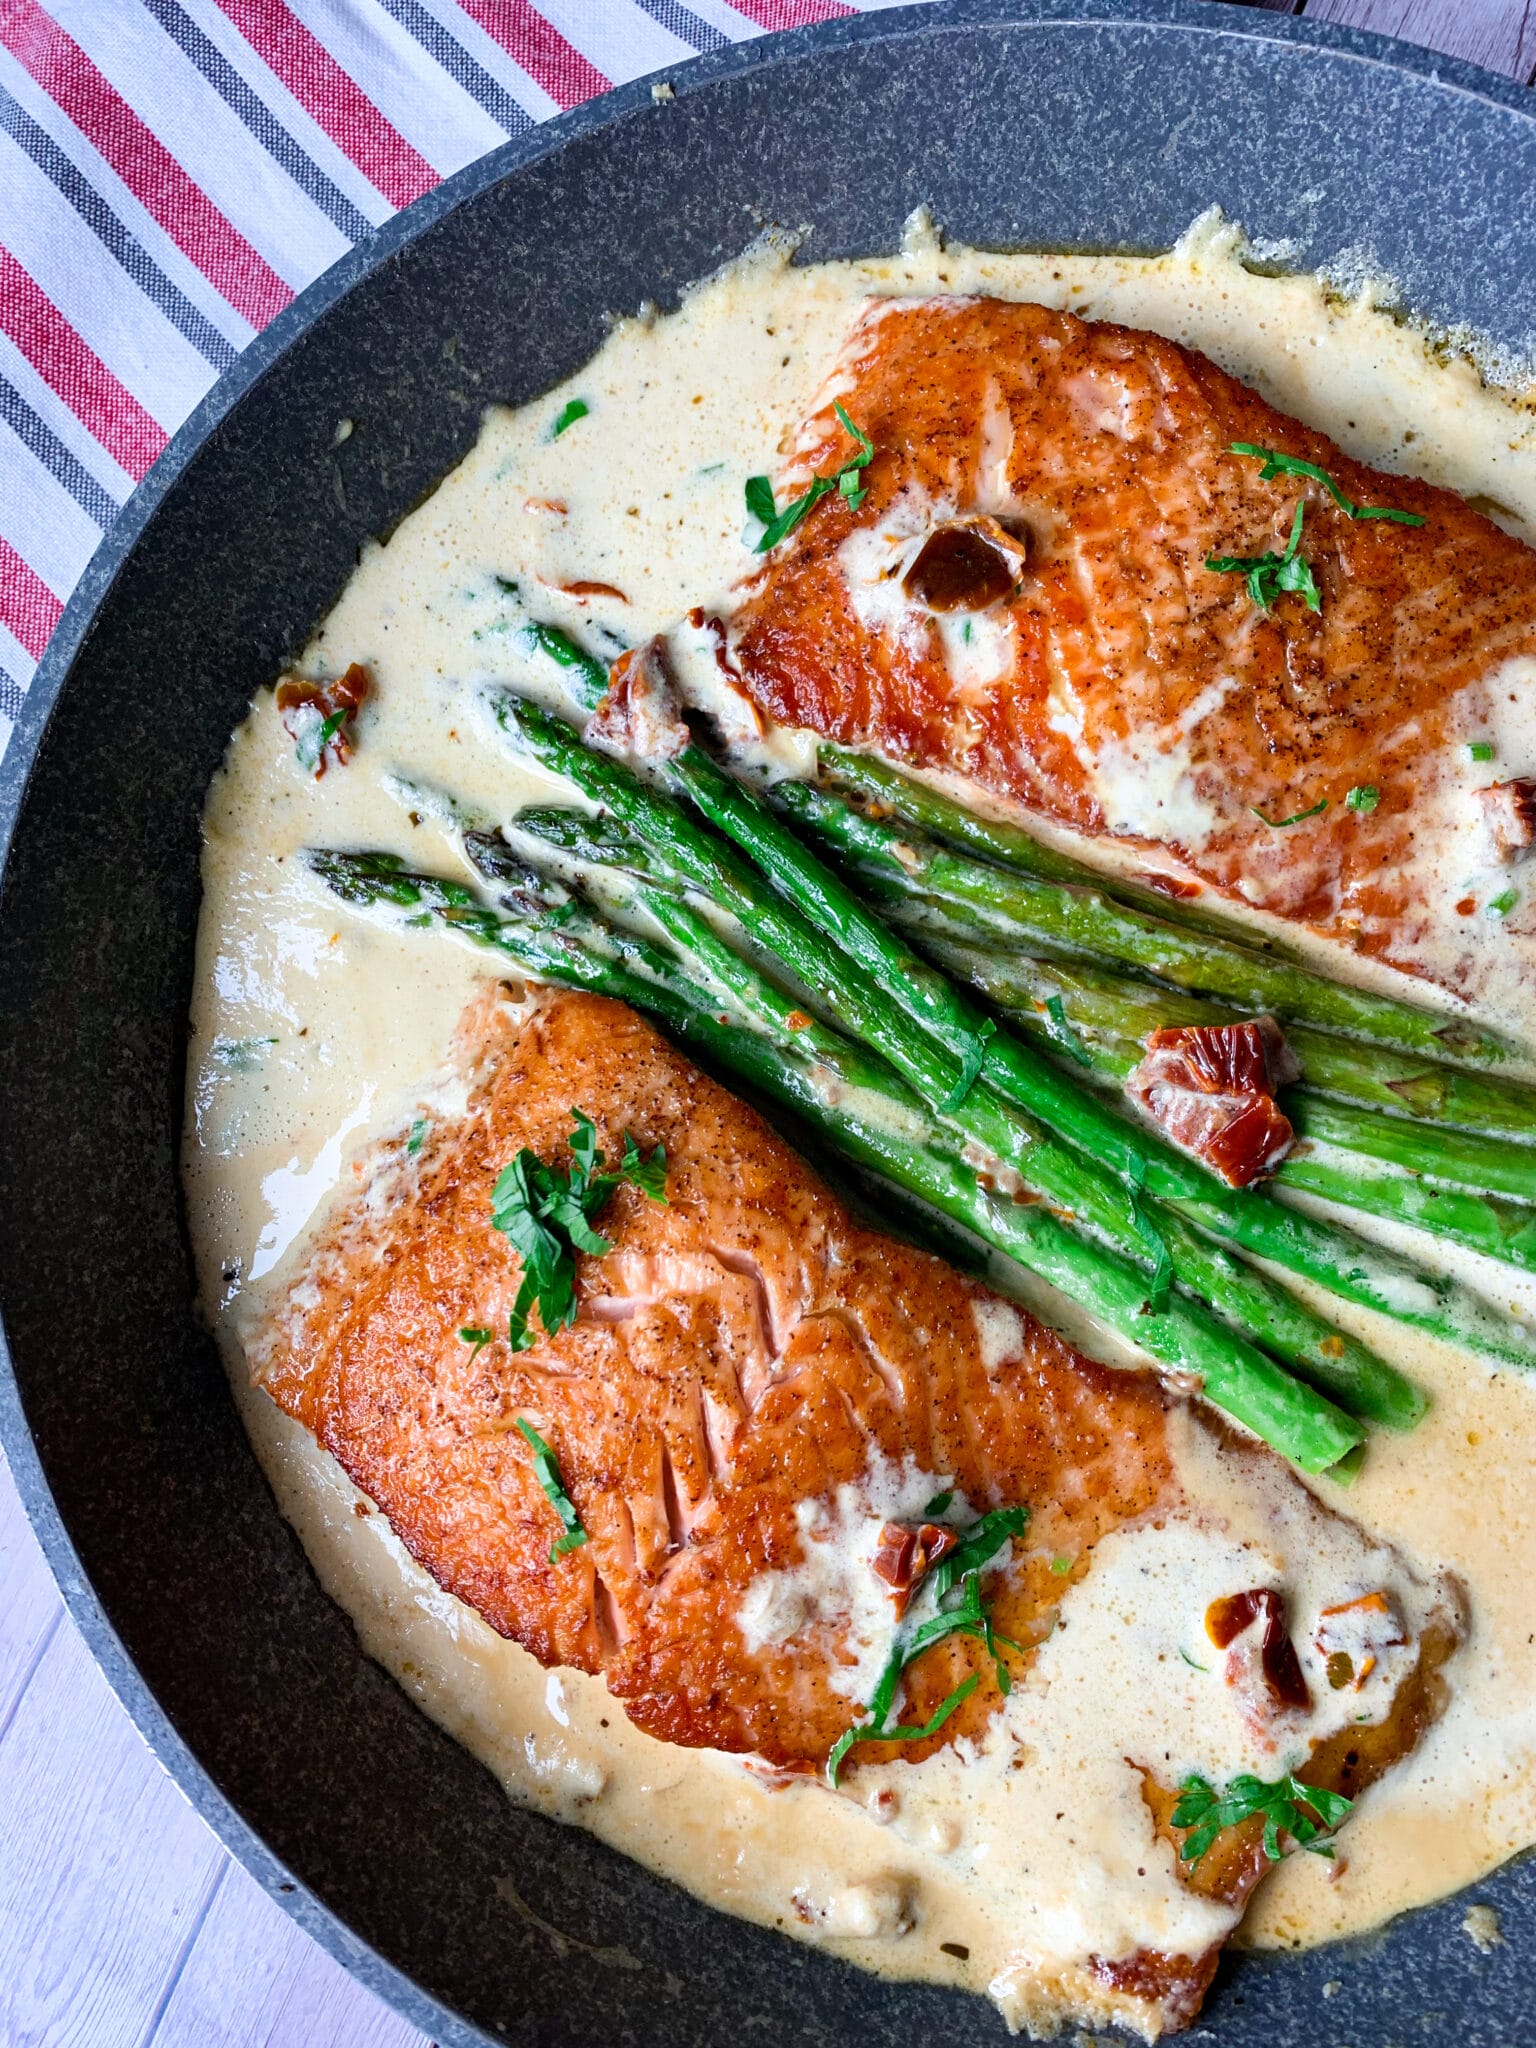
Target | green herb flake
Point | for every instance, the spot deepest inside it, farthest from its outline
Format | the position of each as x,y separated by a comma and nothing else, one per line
548,1473
547,1216
865,1733
1270,576
972,1050
317,736
1502,905
1480,750
239,1055
418,1137
1304,1812
473,1334
1365,796
573,410
1061,1566
939,1505
1297,817
1162,1261
1063,1033
847,481
1292,465
979,1546
1192,1664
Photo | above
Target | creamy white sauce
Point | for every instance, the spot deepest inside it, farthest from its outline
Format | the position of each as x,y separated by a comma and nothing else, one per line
313,1028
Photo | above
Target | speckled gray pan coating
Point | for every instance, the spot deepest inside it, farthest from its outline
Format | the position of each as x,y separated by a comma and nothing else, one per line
1044,125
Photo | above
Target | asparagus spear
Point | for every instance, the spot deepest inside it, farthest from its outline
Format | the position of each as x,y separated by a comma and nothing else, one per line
1498,1229
1332,1258
1041,915
829,1084
1363,1384
1126,1012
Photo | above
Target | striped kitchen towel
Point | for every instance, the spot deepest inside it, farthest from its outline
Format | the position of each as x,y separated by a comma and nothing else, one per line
172,172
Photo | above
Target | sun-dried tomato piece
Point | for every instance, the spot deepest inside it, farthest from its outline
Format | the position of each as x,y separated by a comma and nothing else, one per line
906,1554
1234,1614
639,716
966,565
1211,1089
1509,818
316,716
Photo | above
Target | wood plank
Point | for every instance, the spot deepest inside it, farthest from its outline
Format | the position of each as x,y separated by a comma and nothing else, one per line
255,1980
105,1871
30,1608
1500,34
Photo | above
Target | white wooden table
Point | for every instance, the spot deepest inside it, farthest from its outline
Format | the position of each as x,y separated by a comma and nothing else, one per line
123,1923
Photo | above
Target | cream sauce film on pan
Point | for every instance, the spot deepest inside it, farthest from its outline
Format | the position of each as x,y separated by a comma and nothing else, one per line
314,1031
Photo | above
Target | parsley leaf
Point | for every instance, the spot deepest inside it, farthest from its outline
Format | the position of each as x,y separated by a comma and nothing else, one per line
760,503
473,1334
973,1052
418,1137
860,1733
1270,576
1152,1238
547,1216
316,737
1504,903
939,1505
548,1473
1304,1812
978,1546
1298,817
1292,465
573,410
1365,796
847,480
1063,1032
1480,750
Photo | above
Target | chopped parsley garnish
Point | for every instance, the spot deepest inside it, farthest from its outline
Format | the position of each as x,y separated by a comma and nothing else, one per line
1365,796
1292,465
1192,1664
1298,817
1304,1812
1480,750
548,1215
1152,1238
939,1505
473,1334
1063,1032
1503,904
1269,576
779,525
317,736
418,1137
1061,1566
548,1474
239,1055
978,1546
573,410
973,1052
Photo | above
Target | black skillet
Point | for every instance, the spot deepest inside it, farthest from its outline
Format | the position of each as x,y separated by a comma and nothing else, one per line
1051,124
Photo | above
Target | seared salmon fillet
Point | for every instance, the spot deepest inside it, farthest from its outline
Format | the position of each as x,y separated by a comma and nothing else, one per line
758,1407
1070,652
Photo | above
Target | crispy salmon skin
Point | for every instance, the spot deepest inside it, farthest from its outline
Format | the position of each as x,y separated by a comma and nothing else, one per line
759,1409
1023,601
